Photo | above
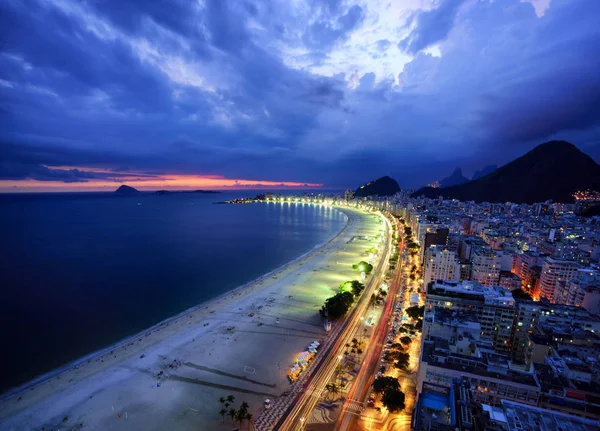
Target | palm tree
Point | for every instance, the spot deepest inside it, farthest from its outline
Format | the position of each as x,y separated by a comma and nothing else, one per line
222,400
242,412
233,415
335,389
223,412
329,388
340,370
230,399
249,419
240,416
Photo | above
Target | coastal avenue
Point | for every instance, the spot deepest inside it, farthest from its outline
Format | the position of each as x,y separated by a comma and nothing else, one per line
361,386
308,399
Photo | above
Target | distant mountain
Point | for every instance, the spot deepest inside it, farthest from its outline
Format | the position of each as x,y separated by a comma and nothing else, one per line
454,179
483,172
551,171
384,186
126,190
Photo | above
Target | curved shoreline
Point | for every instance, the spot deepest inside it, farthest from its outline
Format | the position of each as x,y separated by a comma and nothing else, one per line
75,364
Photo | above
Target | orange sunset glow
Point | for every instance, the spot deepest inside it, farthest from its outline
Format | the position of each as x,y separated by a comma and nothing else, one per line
109,181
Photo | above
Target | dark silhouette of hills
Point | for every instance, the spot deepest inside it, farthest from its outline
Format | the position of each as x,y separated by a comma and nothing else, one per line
126,190
454,179
483,172
551,171
384,186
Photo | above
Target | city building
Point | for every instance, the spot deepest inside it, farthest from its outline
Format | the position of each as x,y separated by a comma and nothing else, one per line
494,307
554,270
583,290
440,264
485,267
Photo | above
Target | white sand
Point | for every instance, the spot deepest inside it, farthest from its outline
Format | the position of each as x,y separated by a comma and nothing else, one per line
218,347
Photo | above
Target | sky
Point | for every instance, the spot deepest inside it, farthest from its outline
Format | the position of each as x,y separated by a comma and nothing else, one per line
288,93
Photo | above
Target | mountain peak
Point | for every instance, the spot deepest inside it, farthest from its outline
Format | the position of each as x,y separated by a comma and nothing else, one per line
554,171
384,186
454,179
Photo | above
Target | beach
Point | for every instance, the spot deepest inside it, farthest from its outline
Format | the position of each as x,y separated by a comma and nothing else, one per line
172,375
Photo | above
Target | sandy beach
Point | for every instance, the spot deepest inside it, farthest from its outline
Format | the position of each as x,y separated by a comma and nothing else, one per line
171,376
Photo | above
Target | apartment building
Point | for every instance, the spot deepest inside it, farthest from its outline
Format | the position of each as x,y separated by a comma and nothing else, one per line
440,264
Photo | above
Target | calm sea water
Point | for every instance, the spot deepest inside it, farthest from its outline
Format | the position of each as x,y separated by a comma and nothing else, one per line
80,272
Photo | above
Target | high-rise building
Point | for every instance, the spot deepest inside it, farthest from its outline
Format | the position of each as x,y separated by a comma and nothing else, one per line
494,307
527,319
440,264
527,265
555,270
579,290
510,280
486,266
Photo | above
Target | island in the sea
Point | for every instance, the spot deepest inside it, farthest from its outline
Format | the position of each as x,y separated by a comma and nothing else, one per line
126,190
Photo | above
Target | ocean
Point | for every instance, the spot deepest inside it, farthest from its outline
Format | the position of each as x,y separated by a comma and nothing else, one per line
81,271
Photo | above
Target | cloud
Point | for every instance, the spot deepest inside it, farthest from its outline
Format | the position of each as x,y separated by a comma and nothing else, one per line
430,27
318,91
324,33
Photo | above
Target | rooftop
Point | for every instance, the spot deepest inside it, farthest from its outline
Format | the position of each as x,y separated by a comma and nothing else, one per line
522,417
471,290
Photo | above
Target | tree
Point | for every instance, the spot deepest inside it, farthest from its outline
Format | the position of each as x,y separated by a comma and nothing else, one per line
393,400
415,312
233,415
363,266
355,287
340,370
405,340
332,388
230,399
338,305
381,384
402,361
373,300
223,412
249,419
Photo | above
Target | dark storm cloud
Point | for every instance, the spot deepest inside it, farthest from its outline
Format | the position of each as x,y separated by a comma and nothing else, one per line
14,171
430,27
252,90
73,61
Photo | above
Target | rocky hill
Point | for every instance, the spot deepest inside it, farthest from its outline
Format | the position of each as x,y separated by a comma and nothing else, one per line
384,186
551,171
